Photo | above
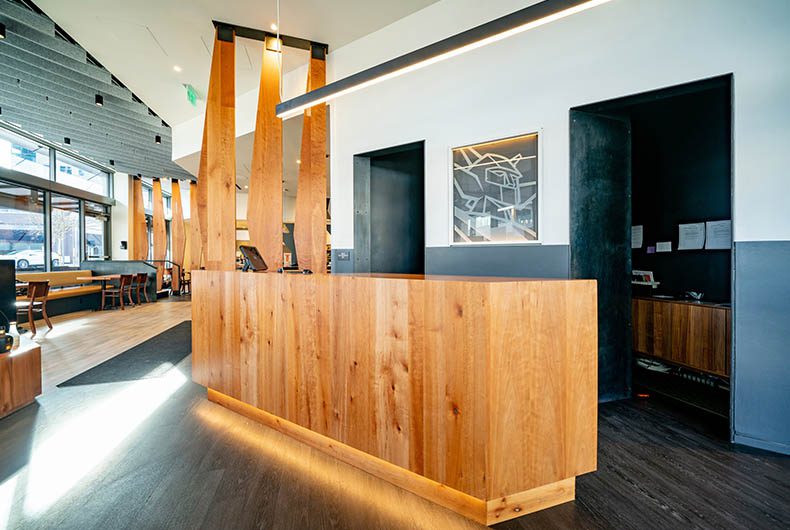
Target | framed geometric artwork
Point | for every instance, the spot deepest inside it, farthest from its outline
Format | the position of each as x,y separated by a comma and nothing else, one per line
495,191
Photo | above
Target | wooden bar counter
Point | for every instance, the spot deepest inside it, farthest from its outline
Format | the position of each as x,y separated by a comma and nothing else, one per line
479,394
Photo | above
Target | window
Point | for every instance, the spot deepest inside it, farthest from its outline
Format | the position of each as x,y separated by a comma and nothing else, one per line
96,217
78,226
72,172
149,225
23,155
148,198
65,233
22,226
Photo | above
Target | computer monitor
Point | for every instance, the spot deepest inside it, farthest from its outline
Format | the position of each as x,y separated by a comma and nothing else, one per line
252,259
7,292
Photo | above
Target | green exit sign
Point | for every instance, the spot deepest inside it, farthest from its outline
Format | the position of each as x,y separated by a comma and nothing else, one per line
192,95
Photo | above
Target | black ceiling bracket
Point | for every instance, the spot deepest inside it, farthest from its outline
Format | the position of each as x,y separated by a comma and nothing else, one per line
225,29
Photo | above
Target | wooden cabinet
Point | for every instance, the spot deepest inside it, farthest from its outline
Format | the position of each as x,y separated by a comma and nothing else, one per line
689,334
20,377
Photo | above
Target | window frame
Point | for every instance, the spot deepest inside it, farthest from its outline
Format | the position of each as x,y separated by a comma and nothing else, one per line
50,187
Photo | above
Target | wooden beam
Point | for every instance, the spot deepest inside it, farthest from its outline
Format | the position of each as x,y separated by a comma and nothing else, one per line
177,233
217,192
310,218
138,230
195,241
160,232
265,202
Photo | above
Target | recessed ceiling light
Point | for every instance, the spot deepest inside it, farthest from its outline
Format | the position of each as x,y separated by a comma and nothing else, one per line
246,187
178,69
298,161
273,26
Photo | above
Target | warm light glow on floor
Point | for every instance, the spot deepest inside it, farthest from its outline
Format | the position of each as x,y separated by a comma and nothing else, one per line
332,476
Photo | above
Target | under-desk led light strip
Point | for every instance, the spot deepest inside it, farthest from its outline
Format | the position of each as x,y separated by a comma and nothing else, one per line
501,28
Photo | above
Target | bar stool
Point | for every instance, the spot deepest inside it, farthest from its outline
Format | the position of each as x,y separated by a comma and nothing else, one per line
37,293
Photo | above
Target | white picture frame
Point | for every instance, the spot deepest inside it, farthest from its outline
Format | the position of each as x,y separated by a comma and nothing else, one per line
507,169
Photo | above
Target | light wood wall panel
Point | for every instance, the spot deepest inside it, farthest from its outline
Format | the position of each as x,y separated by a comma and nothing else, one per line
217,178
138,230
310,215
195,242
265,204
177,232
489,387
160,231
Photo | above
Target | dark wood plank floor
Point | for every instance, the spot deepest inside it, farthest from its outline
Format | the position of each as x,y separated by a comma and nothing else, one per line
192,464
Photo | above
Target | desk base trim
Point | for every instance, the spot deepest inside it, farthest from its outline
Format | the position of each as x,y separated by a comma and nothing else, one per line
486,512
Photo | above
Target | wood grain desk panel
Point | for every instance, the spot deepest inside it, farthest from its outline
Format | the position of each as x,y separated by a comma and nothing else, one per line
20,377
485,387
690,334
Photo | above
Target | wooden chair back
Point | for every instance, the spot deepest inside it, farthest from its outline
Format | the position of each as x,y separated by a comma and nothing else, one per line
126,280
141,278
38,291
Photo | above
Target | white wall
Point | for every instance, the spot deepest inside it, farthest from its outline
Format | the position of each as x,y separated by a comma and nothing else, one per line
530,81
120,216
289,206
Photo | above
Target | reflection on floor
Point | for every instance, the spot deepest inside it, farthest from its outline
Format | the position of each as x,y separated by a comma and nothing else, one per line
154,453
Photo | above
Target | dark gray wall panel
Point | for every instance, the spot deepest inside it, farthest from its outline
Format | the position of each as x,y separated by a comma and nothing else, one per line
397,213
600,222
124,267
342,260
761,386
528,261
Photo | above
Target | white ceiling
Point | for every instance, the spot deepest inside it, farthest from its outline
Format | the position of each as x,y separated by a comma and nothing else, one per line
292,135
141,41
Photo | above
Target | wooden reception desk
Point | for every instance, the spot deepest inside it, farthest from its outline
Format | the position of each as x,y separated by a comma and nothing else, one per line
479,394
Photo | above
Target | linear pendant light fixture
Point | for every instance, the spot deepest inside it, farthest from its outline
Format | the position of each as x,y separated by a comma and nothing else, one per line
501,28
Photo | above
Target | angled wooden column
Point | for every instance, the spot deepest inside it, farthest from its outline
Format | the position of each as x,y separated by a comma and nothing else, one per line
217,175
160,232
195,238
138,231
177,233
310,218
265,203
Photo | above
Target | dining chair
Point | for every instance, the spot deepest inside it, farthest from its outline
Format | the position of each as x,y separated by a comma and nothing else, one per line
186,282
124,288
141,285
37,293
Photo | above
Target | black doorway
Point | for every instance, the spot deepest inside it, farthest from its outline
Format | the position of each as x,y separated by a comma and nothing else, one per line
654,160
389,210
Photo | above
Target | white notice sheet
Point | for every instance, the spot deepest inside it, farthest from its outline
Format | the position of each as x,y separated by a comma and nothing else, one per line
719,235
637,234
691,236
